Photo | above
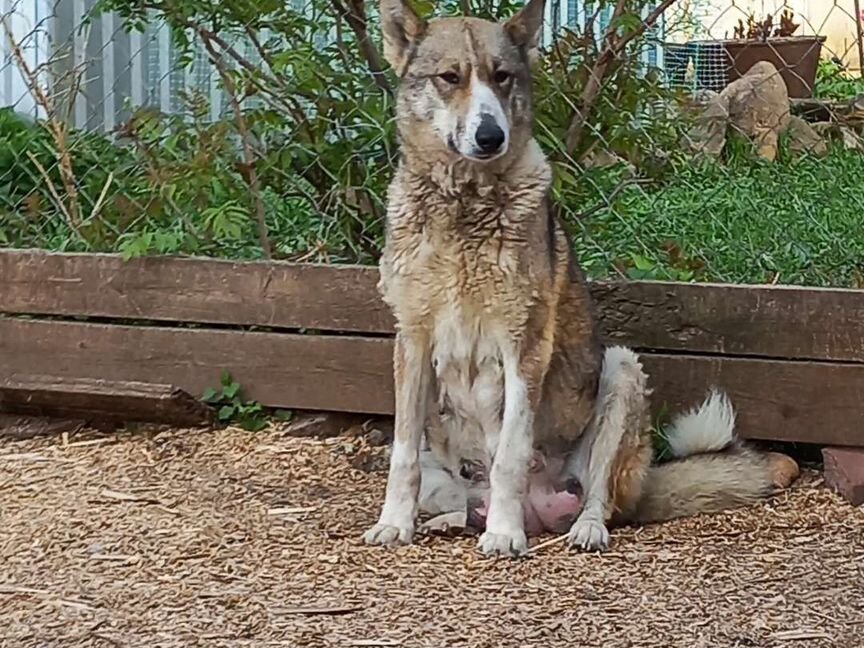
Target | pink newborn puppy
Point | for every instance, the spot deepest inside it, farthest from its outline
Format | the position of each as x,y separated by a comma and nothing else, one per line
551,504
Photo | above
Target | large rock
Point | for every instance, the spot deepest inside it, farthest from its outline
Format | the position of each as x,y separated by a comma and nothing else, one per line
756,106
759,107
708,135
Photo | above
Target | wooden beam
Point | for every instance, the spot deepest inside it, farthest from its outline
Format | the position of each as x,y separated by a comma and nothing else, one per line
20,427
101,400
165,289
753,321
337,373
804,402
756,321
809,402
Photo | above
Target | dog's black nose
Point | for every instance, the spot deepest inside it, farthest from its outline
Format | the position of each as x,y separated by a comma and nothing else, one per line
489,136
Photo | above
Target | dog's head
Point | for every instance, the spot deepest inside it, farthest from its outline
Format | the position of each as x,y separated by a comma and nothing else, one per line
465,83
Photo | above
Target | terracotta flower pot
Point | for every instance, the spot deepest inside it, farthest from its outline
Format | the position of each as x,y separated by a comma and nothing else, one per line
796,57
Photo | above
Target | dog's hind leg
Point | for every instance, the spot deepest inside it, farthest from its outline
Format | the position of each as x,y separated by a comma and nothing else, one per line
612,457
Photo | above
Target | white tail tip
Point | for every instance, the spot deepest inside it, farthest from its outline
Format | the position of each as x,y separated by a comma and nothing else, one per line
707,428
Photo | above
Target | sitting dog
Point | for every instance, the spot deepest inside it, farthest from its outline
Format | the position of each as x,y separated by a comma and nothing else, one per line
497,362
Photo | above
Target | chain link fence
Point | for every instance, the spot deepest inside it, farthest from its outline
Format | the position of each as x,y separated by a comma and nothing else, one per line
264,128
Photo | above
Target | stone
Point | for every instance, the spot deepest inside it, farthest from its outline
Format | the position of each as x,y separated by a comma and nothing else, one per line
844,472
804,139
756,106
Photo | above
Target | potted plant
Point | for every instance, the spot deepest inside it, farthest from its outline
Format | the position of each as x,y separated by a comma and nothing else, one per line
797,57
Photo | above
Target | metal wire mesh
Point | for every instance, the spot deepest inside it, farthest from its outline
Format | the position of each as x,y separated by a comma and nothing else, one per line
263,127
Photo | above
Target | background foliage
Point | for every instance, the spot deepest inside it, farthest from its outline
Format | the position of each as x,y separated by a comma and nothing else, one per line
298,164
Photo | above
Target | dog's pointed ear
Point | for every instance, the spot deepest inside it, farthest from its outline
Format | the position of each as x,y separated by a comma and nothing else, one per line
525,27
402,28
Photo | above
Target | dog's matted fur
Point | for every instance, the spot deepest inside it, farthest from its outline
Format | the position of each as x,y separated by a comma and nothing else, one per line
496,358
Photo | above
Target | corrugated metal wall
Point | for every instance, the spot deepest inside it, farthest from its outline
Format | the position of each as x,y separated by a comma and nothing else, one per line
119,70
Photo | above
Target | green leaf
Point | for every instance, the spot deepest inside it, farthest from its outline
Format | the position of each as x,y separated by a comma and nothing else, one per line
136,246
283,415
231,390
253,407
226,378
253,423
211,396
226,412
641,262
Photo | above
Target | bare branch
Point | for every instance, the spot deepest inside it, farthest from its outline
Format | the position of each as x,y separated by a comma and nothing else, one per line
73,225
613,46
355,15
249,160
59,132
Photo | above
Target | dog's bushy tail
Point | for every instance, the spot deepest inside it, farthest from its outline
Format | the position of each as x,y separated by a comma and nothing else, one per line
711,470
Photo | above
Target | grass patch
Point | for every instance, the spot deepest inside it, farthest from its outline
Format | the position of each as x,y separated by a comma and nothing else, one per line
796,221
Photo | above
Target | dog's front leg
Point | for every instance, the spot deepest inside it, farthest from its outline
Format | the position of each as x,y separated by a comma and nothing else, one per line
508,480
411,374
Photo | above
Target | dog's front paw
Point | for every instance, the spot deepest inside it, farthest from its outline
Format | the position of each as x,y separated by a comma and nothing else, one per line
388,535
589,535
511,545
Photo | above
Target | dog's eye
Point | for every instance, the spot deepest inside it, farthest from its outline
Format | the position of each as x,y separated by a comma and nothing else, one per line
501,77
450,77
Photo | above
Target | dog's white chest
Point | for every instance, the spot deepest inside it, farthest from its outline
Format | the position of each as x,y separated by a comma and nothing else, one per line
467,361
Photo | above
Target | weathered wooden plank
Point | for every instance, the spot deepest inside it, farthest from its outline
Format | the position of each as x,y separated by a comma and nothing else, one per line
779,400
789,322
807,402
300,371
19,428
101,400
755,321
281,295
761,321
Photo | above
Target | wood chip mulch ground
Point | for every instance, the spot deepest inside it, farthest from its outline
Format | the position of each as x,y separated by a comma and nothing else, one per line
231,538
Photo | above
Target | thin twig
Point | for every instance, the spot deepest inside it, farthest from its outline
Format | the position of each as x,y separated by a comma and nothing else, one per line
621,186
250,172
317,611
49,184
58,129
548,543
355,15
288,100
101,199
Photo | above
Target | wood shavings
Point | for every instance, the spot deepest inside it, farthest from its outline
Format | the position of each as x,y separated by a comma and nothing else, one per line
93,557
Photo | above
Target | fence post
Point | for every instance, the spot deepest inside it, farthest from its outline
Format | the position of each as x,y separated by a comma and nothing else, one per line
859,30
79,58
109,108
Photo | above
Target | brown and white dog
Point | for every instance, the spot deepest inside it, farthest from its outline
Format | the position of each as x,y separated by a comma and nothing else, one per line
498,369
